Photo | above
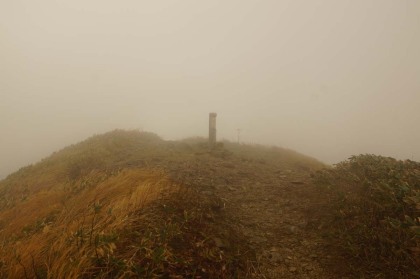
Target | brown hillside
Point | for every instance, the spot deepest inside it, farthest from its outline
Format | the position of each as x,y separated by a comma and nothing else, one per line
128,204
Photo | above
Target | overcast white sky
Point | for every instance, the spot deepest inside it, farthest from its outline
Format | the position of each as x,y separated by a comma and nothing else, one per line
328,78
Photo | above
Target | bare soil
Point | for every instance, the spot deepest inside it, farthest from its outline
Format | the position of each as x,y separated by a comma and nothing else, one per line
270,206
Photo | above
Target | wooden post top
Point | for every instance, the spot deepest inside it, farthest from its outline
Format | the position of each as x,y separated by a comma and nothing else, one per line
212,129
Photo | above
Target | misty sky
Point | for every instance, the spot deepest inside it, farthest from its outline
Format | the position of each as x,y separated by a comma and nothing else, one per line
328,78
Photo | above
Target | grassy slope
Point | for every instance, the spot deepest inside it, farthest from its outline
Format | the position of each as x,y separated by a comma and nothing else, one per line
106,207
278,156
369,208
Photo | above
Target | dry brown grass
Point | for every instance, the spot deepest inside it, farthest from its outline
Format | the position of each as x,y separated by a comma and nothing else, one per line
132,223
99,209
63,234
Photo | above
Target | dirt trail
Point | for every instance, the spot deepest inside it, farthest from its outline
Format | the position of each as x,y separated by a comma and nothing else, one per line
266,204
271,216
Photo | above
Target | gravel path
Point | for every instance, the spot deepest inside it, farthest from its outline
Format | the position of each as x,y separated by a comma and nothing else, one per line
267,204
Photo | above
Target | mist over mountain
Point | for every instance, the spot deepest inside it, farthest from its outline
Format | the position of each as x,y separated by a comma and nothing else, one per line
328,78
131,204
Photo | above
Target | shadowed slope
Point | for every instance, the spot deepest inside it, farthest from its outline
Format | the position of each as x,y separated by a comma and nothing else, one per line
128,203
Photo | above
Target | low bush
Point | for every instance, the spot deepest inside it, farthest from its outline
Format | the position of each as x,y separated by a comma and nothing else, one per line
374,213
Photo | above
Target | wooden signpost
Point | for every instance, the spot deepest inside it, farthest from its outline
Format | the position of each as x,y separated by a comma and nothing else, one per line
212,129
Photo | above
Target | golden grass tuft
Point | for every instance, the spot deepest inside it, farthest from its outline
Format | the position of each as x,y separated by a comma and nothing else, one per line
72,232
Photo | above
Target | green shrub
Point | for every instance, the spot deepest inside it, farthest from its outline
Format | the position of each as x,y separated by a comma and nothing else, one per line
375,212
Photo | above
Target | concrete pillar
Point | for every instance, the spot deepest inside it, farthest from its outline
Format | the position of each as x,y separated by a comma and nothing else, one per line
212,129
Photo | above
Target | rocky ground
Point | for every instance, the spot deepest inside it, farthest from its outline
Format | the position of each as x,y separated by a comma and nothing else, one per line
254,211
268,205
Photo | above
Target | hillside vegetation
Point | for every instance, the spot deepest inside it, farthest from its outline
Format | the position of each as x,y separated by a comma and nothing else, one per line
127,204
85,212
109,207
109,225
370,209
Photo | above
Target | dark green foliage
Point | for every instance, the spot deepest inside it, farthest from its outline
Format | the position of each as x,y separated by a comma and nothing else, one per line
374,203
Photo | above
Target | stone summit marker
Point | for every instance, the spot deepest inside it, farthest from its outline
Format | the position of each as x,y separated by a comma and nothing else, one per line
212,129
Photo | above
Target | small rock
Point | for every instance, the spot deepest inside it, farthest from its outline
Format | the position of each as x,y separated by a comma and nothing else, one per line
219,242
216,207
275,257
292,229
46,229
258,239
292,269
305,243
209,217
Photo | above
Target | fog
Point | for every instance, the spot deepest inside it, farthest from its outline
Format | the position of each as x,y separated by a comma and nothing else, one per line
327,78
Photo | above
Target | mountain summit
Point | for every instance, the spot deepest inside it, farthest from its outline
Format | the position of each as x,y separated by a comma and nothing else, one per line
127,204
